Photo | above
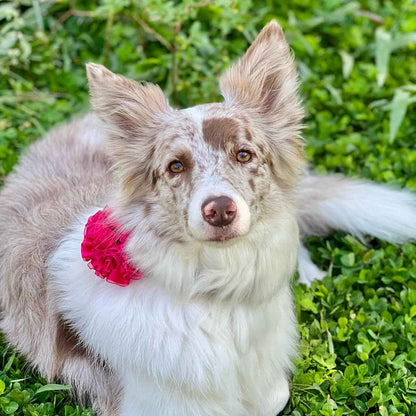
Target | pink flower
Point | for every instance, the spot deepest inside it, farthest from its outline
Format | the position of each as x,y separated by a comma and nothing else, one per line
103,249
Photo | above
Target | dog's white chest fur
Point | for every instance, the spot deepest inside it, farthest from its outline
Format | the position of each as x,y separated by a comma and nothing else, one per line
201,355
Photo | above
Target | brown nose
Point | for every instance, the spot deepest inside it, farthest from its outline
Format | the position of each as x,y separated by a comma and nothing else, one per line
220,211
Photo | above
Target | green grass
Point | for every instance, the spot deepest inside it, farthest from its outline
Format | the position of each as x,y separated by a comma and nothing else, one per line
357,61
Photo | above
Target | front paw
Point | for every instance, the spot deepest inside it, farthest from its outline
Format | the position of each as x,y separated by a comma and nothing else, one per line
276,400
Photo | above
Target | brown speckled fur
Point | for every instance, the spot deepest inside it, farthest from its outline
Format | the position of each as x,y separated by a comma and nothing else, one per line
37,205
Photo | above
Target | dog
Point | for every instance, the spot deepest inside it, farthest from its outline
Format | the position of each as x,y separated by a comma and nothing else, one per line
203,212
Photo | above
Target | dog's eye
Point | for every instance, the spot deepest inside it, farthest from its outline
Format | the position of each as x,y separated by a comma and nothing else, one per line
243,156
176,167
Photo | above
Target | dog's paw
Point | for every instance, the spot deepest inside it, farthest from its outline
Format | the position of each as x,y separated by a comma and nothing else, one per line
308,270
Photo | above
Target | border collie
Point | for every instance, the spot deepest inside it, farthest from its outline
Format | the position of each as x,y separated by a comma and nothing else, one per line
147,253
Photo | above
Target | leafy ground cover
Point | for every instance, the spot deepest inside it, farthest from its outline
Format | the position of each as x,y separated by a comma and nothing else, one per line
357,61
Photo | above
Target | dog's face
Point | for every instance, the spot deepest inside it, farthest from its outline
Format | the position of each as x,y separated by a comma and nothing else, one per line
213,171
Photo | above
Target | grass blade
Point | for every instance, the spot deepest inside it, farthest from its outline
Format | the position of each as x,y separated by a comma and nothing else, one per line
347,63
53,387
402,40
399,105
383,52
9,363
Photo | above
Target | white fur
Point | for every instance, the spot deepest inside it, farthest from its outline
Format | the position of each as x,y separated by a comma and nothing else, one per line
197,113
92,134
375,210
358,207
182,355
308,271
332,202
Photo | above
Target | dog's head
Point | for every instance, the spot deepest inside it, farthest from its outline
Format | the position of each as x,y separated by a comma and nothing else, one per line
209,172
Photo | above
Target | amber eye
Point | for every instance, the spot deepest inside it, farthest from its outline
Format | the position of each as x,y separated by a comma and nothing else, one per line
243,156
176,167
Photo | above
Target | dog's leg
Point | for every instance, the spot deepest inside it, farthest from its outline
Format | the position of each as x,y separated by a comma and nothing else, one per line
278,399
308,271
272,402
140,402
146,397
94,382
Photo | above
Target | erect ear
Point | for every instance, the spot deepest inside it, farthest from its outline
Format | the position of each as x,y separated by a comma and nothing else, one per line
264,83
265,78
132,114
127,105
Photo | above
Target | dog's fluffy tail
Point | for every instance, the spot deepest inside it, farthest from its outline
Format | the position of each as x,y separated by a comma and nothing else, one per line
329,202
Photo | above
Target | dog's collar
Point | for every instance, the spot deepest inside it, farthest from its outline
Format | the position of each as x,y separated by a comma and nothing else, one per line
103,249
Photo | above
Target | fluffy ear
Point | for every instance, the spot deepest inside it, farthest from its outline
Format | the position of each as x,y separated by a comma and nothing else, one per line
265,78
264,83
132,114
126,104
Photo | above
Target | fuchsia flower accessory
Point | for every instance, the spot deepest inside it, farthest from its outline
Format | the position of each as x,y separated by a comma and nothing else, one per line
103,249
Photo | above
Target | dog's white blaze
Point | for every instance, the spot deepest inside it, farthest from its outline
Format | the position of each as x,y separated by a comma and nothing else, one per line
196,113
210,186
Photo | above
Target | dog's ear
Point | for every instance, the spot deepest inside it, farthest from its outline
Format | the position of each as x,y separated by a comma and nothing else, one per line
126,105
264,84
264,79
132,114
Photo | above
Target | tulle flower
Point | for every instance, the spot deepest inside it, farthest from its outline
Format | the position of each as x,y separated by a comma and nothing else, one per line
103,250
